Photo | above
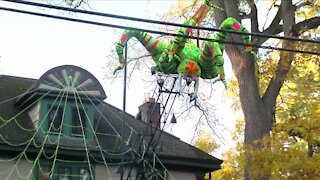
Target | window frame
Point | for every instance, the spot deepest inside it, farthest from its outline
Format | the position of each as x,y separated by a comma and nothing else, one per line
57,173
74,169
66,131
83,121
39,171
49,120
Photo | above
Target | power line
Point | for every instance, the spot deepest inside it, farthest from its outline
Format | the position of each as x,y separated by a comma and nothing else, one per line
153,31
158,22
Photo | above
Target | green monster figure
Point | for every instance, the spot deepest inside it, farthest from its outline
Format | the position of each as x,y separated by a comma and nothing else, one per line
181,56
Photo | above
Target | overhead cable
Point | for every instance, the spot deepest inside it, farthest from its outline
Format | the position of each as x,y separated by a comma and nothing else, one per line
158,22
154,32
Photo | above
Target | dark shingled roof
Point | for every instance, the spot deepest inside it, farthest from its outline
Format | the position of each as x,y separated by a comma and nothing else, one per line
107,120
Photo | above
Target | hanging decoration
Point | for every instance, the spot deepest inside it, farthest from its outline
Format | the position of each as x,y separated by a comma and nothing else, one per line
183,57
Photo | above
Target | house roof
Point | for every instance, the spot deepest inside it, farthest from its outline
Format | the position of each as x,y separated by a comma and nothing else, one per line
16,127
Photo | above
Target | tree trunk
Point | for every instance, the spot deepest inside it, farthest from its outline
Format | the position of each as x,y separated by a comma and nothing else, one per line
258,114
259,110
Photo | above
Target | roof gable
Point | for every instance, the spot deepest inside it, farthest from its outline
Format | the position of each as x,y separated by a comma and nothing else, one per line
107,125
67,78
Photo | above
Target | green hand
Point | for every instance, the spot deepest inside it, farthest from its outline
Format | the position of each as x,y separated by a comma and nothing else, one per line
173,57
224,82
249,51
118,69
169,56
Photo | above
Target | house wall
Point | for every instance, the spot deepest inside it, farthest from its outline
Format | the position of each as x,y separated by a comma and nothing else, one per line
181,175
34,114
11,169
103,173
22,171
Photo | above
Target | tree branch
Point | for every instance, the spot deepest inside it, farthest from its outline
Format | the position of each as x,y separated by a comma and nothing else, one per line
244,15
232,9
302,5
274,28
286,58
306,25
219,16
253,16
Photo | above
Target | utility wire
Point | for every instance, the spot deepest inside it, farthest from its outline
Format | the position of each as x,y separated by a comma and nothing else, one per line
157,22
153,31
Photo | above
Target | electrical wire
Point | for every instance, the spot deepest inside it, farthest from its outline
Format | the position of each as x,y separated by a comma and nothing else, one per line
156,32
157,22
159,32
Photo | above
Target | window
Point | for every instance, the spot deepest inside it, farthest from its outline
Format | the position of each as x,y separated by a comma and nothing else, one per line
66,120
64,171
44,173
79,120
55,118
84,173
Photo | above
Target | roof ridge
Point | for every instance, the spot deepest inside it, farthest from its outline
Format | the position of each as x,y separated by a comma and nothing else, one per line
167,133
16,77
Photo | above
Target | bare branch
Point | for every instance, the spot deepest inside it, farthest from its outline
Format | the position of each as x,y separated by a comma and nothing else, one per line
253,16
306,25
287,58
269,10
302,5
78,4
231,9
274,28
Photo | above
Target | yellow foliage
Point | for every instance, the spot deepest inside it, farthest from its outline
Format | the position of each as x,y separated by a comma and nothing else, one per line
292,150
206,142
179,11
231,166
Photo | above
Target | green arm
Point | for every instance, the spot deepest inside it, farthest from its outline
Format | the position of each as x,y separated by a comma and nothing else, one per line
233,25
153,46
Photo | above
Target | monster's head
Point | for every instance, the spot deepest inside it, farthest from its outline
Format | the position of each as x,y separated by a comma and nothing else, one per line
190,71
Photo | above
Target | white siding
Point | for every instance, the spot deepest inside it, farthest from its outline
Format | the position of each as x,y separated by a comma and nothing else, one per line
103,173
178,175
34,115
23,171
12,170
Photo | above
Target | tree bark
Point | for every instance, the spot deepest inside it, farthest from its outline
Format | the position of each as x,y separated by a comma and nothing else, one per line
259,111
258,116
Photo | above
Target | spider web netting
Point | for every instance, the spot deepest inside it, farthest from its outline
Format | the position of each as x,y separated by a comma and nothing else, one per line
37,148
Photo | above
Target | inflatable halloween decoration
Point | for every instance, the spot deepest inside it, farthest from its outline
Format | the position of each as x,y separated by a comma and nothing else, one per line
183,57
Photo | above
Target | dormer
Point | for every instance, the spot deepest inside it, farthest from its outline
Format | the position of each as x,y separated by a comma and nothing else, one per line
61,103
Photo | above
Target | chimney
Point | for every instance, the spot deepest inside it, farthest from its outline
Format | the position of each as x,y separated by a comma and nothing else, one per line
150,112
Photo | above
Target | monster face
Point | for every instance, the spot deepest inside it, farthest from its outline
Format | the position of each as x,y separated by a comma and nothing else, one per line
189,71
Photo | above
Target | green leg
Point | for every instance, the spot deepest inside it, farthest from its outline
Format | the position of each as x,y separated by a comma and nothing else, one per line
153,46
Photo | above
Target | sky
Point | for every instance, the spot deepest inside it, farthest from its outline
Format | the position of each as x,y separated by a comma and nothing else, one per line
31,45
